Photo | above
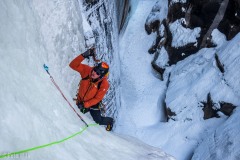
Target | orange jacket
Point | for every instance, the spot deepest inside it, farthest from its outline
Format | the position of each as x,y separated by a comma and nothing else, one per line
88,91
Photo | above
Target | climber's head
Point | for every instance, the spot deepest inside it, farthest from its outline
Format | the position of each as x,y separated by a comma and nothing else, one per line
100,70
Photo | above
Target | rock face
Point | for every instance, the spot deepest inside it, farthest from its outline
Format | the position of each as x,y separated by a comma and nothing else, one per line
227,108
211,111
201,40
191,15
101,16
123,9
208,108
187,28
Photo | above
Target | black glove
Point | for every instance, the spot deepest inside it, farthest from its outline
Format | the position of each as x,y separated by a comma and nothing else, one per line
80,105
89,53
92,51
84,110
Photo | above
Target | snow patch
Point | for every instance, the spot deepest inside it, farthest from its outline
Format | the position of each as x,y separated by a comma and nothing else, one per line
218,38
181,35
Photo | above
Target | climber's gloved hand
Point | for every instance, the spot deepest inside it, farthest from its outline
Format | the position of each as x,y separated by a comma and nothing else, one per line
84,110
80,105
89,53
92,51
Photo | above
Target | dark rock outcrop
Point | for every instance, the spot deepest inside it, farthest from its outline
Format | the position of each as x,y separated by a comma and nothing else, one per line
123,10
219,64
208,108
196,13
210,111
227,108
170,114
152,26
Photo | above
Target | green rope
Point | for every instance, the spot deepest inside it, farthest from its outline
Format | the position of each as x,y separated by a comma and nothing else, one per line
47,145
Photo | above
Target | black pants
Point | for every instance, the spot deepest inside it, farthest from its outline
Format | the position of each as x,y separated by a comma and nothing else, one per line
96,115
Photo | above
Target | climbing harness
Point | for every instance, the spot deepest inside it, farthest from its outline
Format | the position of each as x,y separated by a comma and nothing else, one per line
101,106
55,84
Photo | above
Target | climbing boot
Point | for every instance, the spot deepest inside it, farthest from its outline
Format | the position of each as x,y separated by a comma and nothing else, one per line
109,127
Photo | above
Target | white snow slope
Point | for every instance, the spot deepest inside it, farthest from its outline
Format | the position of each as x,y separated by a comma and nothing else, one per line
33,112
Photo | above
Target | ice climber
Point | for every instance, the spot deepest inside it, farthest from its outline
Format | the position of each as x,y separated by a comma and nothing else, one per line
93,87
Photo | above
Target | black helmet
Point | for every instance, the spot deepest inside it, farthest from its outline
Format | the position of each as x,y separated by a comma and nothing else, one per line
101,69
